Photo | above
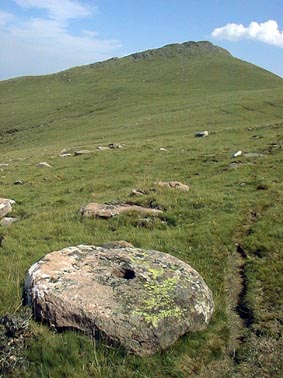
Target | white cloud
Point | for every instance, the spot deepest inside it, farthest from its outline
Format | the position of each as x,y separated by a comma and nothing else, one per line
267,32
45,44
62,10
5,18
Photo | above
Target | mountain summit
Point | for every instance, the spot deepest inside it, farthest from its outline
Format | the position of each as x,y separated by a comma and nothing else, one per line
171,77
187,49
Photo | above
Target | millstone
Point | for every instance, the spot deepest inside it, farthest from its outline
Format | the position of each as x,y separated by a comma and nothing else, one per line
142,299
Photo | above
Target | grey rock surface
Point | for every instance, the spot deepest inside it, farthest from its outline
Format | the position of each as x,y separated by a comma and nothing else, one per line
141,299
43,164
5,206
174,185
115,145
83,152
97,210
201,134
7,221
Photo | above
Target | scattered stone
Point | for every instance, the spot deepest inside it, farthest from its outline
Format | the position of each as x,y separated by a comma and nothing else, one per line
117,244
43,164
141,192
238,164
115,145
83,152
97,210
65,155
145,223
102,148
163,149
253,155
5,206
14,325
64,151
143,300
201,134
273,144
4,164
18,182
14,332
138,192
174,185
7,221
236,154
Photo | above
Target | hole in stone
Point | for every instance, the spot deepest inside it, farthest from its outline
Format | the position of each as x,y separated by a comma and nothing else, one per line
126,273
129,274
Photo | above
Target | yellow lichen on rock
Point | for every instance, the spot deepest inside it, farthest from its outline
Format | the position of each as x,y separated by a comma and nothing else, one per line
159,301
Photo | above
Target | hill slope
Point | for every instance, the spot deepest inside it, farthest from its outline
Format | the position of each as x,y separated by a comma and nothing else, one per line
173,77
228,227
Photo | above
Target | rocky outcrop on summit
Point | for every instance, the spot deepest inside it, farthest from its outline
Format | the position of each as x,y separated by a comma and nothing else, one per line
190,48
141,299
97,210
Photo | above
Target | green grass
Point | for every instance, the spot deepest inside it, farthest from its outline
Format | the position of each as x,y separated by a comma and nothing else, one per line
148,104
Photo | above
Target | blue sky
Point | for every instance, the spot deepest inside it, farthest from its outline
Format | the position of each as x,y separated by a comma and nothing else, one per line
45,36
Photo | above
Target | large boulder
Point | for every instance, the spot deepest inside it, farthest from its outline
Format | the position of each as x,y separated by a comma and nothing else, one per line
142,299
5,206
97,210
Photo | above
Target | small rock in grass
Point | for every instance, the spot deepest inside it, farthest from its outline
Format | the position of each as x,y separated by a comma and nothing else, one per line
82,152
201,134
236,154
6,221
115,145
174,185
97,210
137,192
262,187
253,155
5,206
117,244
43,164
102,148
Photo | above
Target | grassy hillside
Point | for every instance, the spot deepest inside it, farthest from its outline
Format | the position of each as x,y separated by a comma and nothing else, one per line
228,227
